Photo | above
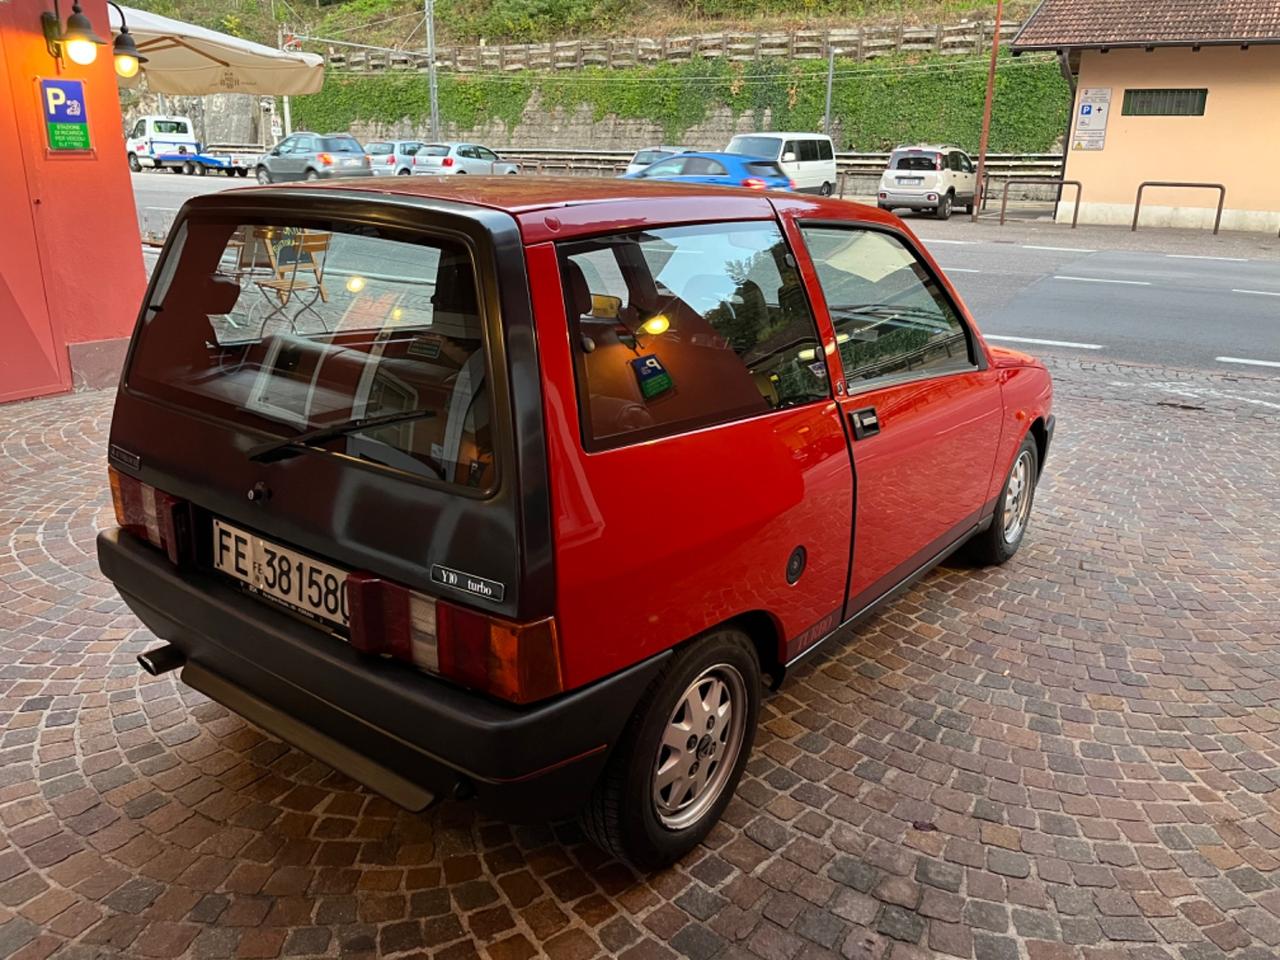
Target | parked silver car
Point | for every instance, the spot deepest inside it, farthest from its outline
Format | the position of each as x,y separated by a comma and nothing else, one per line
453,158
647,155
391,158
928,177
314,156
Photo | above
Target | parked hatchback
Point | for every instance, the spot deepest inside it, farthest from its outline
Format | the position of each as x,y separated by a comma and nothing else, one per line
717,169
647,155
455,158
389,158
516,491
314,156
936,178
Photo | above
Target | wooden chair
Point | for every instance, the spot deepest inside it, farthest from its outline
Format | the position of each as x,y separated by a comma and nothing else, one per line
307,255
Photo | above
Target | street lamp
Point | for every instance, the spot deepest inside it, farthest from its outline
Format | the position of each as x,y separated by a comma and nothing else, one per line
125,51
77,41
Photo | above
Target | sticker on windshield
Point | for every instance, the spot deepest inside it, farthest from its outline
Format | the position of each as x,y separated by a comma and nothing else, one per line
468,583
652,376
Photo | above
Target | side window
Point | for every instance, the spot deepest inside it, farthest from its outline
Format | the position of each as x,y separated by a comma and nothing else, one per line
467,151
484,153
808,151
704,167
890,316
824,150
965,163
139,129
286,145
667,168
790,151
953,161
678,328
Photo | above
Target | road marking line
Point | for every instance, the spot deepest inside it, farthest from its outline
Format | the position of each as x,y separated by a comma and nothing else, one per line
1032,246
1134,283
1259,293
1254,363
927,240
960,270
1047,343
1200,256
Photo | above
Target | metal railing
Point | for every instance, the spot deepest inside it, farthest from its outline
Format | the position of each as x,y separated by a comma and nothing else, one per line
1075,213
1221,188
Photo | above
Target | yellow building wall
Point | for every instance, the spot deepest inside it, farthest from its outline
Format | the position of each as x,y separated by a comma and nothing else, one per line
1236,142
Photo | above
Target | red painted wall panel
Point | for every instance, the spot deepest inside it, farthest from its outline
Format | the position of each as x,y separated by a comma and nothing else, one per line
72,266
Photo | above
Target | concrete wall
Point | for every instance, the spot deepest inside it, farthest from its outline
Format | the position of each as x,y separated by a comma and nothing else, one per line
540,127
1234,143
218,118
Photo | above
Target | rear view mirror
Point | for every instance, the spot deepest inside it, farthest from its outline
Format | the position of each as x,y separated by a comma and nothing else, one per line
788,157
605,307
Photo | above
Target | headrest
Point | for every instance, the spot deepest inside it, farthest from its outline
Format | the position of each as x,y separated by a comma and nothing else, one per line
575,282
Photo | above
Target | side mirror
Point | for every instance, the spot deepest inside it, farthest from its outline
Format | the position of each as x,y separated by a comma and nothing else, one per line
788,157
605,307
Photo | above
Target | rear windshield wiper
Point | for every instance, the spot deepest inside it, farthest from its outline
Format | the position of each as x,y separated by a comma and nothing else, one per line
298,442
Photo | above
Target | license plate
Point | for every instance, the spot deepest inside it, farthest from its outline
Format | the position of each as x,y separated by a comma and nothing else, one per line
351,162
286,576
911,180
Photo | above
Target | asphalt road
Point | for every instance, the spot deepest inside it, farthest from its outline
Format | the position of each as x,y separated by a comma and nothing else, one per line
1175,298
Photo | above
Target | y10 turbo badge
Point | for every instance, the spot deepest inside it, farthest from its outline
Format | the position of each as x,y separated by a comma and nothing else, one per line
468,583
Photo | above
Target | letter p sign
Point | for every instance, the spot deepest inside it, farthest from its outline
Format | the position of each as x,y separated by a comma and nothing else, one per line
54,97
65,119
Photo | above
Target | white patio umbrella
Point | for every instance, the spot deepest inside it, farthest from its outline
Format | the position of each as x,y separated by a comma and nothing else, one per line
183,58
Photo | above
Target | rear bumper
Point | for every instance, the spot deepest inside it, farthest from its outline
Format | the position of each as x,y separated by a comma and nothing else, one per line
913,200
384,724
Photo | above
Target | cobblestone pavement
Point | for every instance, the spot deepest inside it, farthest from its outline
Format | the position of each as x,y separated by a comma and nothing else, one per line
1075,756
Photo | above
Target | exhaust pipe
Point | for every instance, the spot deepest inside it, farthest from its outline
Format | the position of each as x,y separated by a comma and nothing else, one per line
161,659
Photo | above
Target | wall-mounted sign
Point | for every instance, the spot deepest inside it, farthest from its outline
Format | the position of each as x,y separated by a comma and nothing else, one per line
66,120
1091,119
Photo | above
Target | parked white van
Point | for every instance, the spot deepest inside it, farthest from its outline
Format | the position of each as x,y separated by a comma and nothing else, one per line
154,135
809,159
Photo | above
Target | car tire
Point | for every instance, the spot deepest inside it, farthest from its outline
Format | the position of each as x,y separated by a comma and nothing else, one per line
1000,541
134,164
242,172
827,189
627,815
198,169
403,173
943,209
264,176
311,175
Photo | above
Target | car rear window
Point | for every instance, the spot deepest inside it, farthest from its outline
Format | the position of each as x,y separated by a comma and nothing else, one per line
913,161
749,146
171,126
435,150
284,326
341,145
378,149
761,168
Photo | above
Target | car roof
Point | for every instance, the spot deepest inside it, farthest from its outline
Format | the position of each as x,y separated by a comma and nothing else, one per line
785,133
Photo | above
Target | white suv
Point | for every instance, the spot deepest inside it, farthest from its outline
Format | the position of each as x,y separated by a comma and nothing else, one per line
925,177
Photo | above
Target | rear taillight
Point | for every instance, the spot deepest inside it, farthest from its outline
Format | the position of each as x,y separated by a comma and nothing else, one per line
150,514
391,161
519,662
937,161
791,184
447,162
325,158
753,183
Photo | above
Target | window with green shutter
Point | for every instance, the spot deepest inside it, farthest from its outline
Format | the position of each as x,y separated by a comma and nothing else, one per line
1165,103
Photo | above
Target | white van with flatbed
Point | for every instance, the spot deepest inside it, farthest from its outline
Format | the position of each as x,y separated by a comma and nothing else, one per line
809,159
153,136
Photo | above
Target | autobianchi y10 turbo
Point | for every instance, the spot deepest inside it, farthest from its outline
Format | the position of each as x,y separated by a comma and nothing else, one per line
514,489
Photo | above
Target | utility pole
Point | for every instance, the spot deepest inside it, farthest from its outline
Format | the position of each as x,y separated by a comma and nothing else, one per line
979,192
831,71
288,117
429,8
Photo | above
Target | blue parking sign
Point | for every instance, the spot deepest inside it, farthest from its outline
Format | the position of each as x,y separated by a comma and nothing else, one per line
66,119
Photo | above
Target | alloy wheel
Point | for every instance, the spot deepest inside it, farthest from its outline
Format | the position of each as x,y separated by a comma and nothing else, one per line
1017,497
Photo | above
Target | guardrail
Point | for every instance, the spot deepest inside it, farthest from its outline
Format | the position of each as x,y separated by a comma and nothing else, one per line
1221,188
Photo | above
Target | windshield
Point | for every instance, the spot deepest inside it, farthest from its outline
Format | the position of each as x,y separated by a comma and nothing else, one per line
913,161
286,327
767,147
341,145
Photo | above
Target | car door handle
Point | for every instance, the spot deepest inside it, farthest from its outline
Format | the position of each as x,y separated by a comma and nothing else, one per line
865,423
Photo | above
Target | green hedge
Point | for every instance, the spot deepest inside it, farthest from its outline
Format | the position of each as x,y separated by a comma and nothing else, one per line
876,104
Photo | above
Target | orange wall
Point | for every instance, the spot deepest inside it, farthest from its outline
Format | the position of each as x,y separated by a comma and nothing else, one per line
79,278
1235,142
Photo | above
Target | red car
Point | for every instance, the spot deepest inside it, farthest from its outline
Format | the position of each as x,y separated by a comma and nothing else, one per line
514,489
